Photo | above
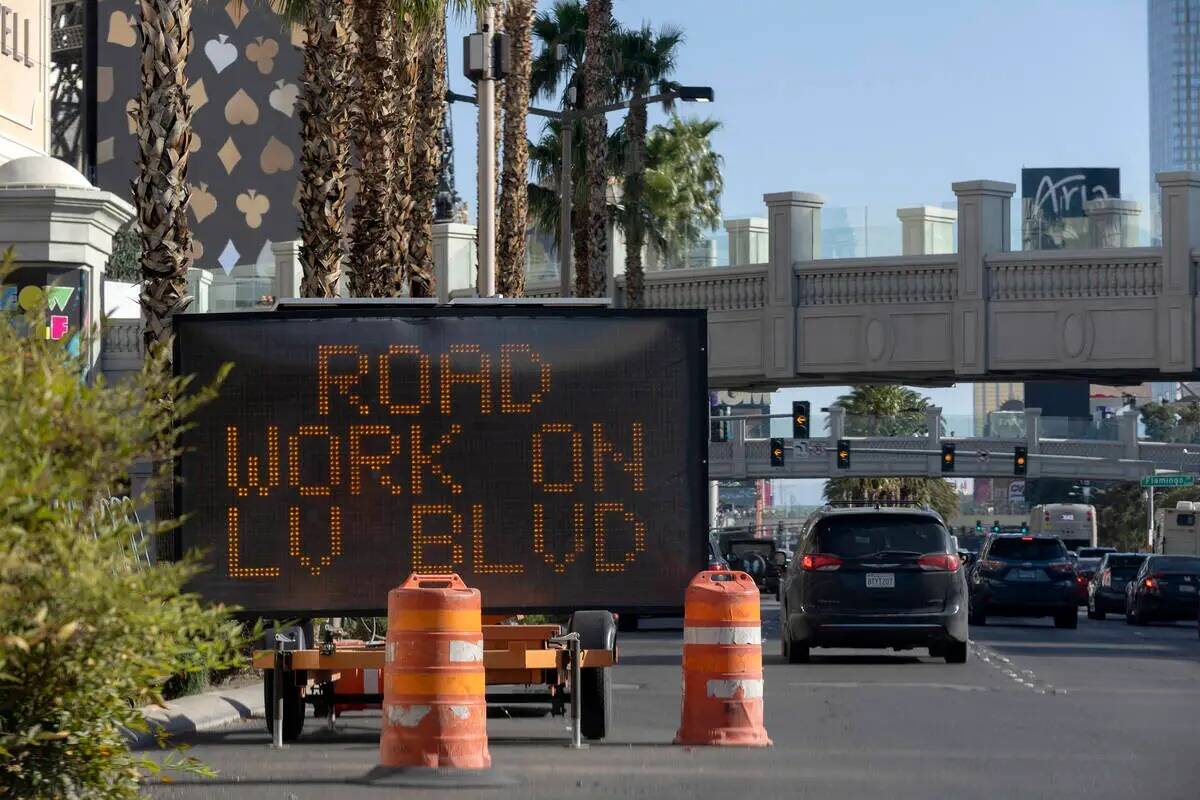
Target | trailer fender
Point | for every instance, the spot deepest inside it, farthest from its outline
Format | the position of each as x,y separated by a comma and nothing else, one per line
597,629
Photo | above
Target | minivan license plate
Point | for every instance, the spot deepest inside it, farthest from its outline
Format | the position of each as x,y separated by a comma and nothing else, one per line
881,580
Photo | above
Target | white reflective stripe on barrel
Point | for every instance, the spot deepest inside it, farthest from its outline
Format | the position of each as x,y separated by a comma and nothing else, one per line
747,634
751,688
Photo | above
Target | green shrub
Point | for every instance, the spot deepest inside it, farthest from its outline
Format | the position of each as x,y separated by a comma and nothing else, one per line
89,631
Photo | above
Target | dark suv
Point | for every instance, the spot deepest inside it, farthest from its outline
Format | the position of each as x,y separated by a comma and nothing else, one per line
1024,576
874,577
1106,589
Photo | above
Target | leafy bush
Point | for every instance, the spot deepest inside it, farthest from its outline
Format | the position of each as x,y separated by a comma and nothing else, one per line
89,630
125,263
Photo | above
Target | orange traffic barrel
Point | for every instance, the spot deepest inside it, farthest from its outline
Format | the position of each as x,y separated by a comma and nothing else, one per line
722,662
434,707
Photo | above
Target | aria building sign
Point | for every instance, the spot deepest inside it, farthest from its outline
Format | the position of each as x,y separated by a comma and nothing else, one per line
24,48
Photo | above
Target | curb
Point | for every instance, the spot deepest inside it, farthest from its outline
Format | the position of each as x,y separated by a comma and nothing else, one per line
201,712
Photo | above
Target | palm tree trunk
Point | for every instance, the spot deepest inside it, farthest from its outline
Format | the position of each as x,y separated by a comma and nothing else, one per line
596,79
369,252
514,181
430,107
324,110
160,188
404,77
635,231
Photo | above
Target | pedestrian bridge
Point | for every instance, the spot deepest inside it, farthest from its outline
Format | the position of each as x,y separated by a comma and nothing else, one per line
1111,451
1111,314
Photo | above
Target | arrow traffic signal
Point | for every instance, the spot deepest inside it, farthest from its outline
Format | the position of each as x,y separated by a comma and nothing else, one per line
947,458
800,418
843,454
1020,459
777,452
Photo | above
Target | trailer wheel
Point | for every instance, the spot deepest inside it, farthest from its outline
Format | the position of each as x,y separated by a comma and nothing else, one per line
595,698
597,631
293,705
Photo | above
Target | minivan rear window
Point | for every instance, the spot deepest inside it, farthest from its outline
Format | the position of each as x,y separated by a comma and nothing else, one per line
858,535
1021,549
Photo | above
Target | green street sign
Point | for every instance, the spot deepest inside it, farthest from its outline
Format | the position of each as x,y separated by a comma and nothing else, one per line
1167,481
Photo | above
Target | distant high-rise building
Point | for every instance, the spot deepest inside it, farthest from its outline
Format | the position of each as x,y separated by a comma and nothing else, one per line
1173,28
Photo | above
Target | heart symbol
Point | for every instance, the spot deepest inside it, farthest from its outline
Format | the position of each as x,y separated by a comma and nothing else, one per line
120,29
241,110
203,203
283,98
261,52
253,205
221,53
276,157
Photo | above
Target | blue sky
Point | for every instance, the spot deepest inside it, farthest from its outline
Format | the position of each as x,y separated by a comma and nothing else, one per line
884,104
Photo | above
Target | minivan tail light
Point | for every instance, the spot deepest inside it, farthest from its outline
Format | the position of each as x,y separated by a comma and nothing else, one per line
992,565
1151,583
821,562
1106,578
939,562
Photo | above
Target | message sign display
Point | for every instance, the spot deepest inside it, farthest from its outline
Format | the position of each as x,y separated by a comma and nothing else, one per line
554,458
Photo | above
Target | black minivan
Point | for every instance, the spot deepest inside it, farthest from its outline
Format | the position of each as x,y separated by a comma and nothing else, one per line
875,577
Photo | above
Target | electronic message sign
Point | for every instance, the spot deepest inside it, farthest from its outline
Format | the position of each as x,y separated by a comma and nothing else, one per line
554,458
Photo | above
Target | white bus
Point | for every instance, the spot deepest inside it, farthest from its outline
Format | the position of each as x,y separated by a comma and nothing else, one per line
1175,530
1074,523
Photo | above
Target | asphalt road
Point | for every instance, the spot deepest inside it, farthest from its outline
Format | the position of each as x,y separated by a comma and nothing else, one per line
1107,710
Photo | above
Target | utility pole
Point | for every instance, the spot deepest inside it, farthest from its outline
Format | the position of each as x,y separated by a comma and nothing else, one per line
485,94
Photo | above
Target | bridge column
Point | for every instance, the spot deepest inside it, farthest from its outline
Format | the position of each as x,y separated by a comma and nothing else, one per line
1176,303
933,431
1033,438
749,241
794,230
926,230
1127,430
984,209
1112,222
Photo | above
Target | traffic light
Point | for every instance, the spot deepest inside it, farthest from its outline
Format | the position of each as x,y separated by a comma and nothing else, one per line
843,454
1024,527
777,452
1020,460
996,526
979,526
947,458
800,409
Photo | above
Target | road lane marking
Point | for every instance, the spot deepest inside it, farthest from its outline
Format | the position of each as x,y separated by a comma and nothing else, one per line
954,687
1025,678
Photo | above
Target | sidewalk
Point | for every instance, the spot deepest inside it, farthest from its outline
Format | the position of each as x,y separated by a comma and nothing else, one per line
201,712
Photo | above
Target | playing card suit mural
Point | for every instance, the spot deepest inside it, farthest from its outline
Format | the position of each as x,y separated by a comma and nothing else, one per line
243,80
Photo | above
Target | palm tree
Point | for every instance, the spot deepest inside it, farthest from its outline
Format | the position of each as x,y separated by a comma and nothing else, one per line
682,184
160,188
889,411
514,200
644,61
429,115
374,28
597,82
325,122
563,29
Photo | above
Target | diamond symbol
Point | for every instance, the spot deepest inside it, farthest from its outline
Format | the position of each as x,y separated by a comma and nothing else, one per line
198,95
229,257
229,155
237,11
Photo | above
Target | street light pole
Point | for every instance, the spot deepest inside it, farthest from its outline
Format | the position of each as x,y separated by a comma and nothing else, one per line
566,254
485,90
